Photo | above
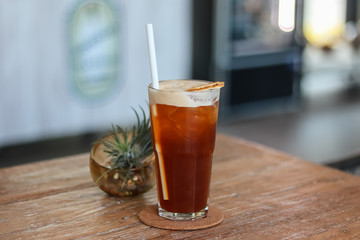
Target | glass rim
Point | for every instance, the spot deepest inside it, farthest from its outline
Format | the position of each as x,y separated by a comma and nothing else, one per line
177,90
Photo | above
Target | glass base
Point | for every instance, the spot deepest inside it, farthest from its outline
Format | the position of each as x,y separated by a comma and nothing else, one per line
182,216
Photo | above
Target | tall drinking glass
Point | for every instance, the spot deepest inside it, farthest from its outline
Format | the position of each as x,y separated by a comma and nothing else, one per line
183,125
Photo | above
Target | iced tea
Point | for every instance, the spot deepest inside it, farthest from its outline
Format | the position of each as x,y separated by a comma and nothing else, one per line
183,130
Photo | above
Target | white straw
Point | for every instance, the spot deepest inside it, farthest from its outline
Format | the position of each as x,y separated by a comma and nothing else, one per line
152,56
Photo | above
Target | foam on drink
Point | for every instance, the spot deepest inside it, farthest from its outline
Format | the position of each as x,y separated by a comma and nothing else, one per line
180,97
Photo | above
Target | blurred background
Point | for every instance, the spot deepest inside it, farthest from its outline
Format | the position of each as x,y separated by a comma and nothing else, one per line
71,68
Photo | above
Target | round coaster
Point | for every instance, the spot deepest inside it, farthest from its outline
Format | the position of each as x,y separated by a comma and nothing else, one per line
149,216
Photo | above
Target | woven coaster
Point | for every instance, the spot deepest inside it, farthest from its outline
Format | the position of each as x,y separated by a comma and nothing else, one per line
149,216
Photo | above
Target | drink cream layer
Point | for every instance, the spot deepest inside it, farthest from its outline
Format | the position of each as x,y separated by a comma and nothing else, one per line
173,92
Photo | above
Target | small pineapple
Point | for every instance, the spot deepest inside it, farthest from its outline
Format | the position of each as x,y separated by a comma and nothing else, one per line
127,148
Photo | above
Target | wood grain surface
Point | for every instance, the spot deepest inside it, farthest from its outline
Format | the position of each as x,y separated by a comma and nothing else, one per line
263,193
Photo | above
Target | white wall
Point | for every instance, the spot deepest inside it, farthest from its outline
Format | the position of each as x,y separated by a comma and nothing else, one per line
36,97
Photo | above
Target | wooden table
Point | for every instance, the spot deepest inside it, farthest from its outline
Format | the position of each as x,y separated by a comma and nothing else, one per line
263,193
